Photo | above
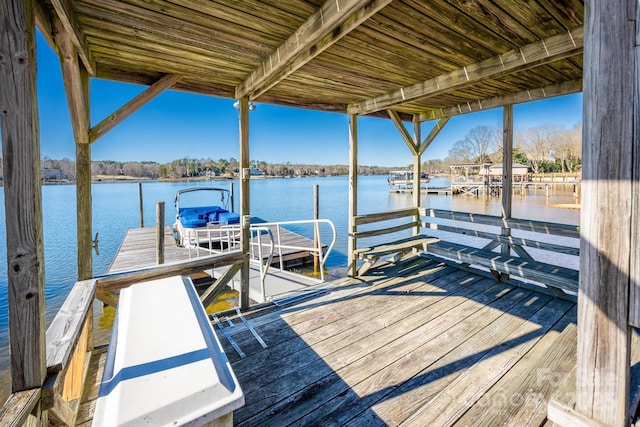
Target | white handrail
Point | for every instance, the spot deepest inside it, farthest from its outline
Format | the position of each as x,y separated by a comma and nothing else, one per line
322,256
228,238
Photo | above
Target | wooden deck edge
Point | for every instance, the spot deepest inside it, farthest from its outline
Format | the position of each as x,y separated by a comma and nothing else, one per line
564,415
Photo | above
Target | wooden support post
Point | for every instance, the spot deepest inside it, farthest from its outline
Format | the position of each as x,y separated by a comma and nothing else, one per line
417,169
316,231
84,214
245,217
507,160
141,205
353,193
22,194
611,151
76,83
159,232
507,172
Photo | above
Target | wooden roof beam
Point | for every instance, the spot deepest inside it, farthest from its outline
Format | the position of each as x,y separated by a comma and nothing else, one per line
535,54
132,106
76,86
417,149
432,135
45,24
67,17
395,118
334,20
565,88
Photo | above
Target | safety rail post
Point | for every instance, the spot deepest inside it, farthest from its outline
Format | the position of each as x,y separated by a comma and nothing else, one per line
159,232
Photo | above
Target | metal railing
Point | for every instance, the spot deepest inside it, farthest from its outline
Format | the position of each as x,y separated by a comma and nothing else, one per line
267,241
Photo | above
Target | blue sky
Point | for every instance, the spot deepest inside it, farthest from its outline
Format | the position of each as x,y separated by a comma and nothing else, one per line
176,125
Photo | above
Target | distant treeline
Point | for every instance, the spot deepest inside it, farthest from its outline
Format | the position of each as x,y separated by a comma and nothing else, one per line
64,170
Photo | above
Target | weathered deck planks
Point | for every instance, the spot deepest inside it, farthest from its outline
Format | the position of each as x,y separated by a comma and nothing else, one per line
420,348
418,343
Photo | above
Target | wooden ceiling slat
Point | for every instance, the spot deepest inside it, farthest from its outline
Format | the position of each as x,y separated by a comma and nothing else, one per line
216,44
534,54
410,22
173,18
533,17
569,13
275,23
330,23
384,71
163,62
117,71
159,62
155,43
132,22
494,18
465,26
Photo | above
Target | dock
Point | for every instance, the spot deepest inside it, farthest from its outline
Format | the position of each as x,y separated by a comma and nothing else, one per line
441,191
419,343
138,251
476,188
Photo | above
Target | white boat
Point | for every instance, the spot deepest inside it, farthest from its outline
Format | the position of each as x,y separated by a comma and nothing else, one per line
204,213
402,180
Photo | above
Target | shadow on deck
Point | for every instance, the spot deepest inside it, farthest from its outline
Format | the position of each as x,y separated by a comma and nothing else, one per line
420,344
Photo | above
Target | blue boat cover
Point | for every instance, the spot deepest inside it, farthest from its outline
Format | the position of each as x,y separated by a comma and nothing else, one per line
200,216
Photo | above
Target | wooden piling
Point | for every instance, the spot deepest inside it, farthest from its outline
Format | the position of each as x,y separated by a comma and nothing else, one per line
140,204
353,193
245,216
22,194
316,231
159,232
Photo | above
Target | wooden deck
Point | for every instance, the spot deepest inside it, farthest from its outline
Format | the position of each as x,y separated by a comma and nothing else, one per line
137,249
416,344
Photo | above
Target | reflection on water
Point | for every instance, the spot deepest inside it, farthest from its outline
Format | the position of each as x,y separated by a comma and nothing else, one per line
115,210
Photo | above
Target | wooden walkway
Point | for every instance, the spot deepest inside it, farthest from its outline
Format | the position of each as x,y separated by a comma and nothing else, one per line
137,249
416,344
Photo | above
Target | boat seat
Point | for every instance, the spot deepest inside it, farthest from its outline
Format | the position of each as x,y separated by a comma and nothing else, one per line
165,364
225,218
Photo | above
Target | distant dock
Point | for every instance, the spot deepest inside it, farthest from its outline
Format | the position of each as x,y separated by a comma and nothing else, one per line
476,188
442,191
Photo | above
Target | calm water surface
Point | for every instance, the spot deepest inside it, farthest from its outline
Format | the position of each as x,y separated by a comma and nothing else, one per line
115,210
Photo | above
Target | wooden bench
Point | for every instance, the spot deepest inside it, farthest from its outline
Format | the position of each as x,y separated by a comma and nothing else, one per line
165,365
514,258
398,248
561,277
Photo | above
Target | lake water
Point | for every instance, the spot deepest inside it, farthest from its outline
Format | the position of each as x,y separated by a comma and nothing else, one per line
115,210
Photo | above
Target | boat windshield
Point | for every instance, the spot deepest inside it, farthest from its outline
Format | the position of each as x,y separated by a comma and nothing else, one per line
202,196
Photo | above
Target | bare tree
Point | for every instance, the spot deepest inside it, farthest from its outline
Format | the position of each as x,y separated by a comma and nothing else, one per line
479,145
568,147
537,143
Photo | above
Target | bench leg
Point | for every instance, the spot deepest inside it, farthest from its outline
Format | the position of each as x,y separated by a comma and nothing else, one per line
366,266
